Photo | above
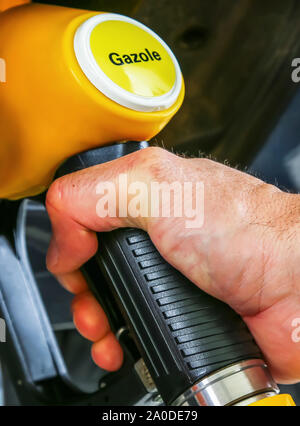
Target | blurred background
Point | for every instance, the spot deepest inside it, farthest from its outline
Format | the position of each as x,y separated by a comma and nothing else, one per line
236,59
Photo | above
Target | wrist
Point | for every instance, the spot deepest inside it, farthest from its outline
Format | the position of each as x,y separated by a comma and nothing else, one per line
269,254
282,239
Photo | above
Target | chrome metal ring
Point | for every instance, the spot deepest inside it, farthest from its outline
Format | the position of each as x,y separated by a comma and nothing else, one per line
231,386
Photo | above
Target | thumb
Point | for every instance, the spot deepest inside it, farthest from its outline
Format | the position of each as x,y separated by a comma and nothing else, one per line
86,202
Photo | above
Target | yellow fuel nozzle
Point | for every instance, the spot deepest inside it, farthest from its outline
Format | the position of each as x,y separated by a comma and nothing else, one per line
77,80
8,4
283,400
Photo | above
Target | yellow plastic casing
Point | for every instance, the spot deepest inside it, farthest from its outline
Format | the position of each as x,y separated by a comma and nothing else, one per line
7,4
283,400
49,109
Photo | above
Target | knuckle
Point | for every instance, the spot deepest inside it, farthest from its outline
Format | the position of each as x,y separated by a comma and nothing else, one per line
156,162
156,154
55,194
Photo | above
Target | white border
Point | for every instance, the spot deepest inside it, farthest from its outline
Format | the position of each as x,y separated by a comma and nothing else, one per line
109,88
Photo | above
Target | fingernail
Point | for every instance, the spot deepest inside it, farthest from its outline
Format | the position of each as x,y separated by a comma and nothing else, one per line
64,281
73,282
52,255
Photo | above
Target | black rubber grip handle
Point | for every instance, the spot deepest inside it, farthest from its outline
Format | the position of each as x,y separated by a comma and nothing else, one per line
182,333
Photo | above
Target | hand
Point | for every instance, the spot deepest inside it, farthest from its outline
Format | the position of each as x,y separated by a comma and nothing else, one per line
247,253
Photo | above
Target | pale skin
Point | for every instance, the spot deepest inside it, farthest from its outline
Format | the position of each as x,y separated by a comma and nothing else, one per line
247,253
